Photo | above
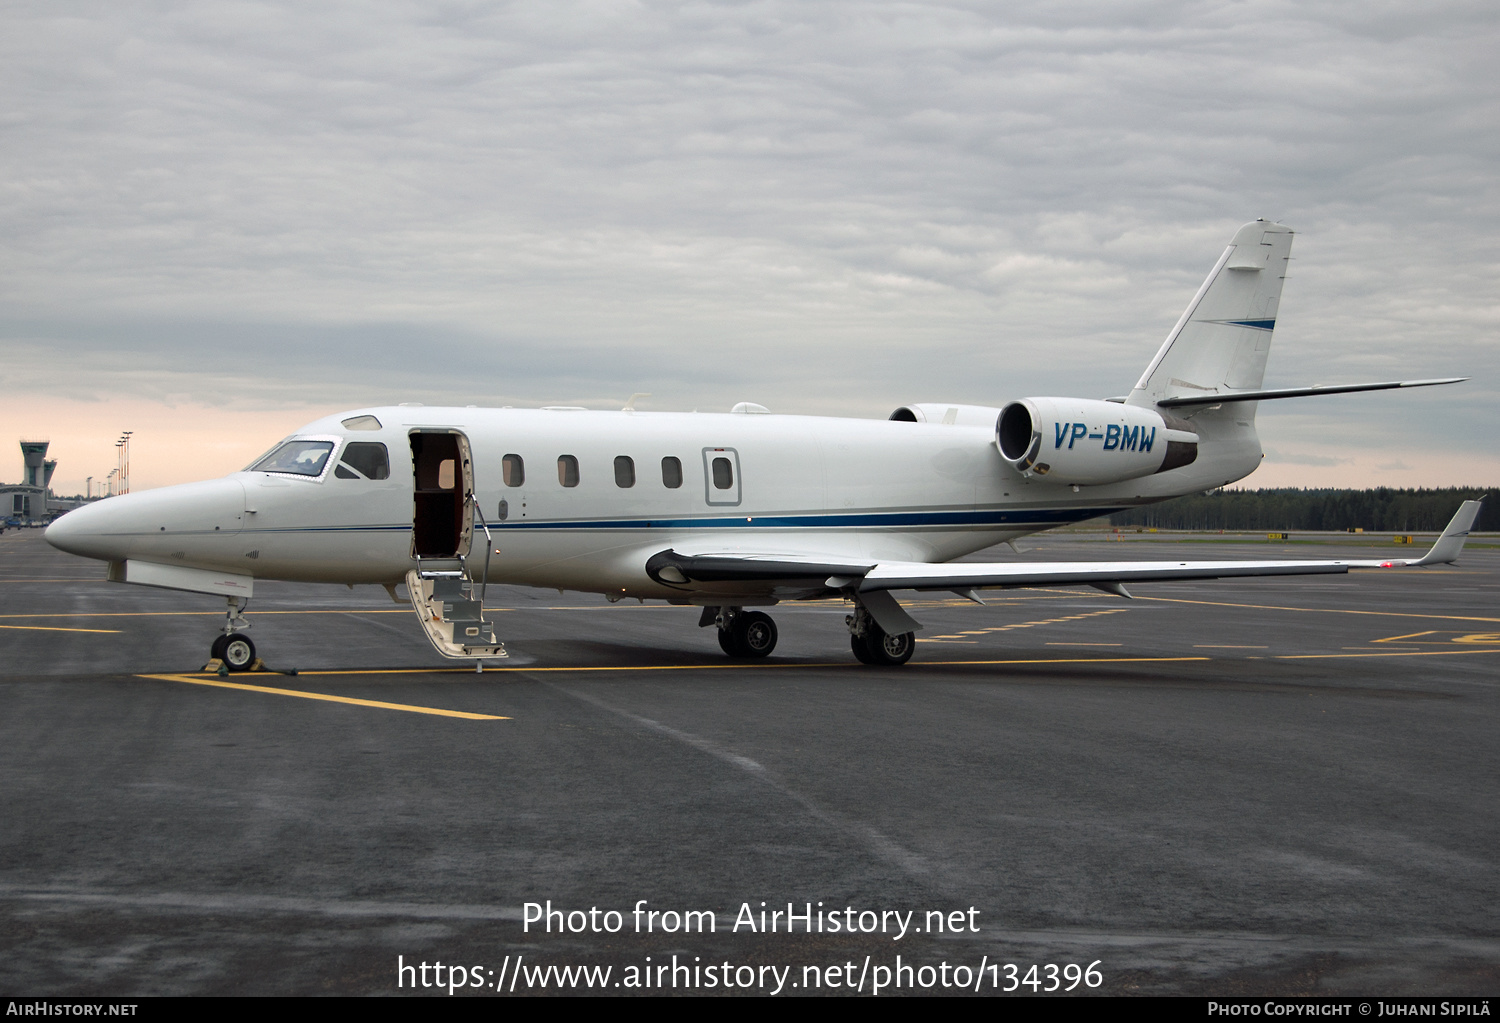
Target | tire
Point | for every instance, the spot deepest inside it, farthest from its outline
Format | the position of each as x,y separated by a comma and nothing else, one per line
239,652
217,650
757,634
729,643
888,650
878,647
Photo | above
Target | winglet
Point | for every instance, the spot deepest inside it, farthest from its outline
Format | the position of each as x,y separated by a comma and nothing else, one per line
1451,543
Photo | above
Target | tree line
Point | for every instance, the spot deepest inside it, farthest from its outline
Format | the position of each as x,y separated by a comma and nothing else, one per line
1288,509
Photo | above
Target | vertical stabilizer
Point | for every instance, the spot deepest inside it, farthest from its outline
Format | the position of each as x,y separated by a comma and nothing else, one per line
1221,342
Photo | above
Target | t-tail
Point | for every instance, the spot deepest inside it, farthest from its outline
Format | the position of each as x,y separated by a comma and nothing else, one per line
1214,359
1214,354
1221,342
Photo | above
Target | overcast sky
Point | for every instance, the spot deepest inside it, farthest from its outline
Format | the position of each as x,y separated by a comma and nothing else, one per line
223,219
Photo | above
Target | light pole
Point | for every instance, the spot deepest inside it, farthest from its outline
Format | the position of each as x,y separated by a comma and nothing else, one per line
125,461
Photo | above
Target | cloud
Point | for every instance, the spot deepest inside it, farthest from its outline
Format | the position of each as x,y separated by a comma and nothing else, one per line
826,208
1298,458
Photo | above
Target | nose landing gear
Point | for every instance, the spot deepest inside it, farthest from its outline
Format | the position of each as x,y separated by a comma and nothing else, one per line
233,649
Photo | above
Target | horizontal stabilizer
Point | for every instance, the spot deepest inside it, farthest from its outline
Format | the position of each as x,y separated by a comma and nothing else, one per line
1221,397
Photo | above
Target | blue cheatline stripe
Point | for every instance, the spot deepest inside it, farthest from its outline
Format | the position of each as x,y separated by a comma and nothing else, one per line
872,519
1039,517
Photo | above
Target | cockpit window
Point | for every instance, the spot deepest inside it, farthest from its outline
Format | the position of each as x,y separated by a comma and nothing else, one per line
370,459
300,457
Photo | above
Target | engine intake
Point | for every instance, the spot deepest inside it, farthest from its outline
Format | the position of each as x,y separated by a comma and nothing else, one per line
1087,442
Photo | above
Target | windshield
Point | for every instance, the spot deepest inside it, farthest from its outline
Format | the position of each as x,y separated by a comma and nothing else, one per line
303,457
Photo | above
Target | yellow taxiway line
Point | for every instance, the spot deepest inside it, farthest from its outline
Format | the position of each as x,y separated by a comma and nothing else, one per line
54,628
1385,653
1321,610
720,666
1068,660
438,711
405,609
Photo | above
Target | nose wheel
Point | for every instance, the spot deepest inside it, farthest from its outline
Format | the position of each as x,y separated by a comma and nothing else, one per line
233,649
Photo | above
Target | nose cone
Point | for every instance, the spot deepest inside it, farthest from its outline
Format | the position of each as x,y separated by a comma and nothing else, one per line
139,525
63,534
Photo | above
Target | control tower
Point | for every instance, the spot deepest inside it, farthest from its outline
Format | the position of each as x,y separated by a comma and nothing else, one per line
38,468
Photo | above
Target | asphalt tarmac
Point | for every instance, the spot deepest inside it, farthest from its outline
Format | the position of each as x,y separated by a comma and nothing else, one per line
1279,786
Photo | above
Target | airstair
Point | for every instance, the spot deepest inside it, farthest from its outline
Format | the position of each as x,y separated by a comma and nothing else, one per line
450,603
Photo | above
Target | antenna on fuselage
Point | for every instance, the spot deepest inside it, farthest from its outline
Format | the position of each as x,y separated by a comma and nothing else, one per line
630,405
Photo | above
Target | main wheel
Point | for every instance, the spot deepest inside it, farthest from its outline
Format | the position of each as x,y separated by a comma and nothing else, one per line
729,643
757,634
238,653
890,650
879,647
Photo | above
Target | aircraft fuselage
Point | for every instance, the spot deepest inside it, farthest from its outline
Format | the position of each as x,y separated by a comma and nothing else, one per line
588,496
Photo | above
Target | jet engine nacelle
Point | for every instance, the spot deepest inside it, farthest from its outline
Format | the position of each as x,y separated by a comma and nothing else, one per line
946,413
1082,441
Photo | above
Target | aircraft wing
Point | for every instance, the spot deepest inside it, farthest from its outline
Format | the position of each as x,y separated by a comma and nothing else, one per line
918,576
792,575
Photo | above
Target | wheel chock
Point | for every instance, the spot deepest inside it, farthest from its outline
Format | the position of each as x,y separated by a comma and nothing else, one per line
218,667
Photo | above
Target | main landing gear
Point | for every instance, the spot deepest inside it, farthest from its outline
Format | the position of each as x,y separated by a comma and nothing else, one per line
742,633
746,634
233,649
873,645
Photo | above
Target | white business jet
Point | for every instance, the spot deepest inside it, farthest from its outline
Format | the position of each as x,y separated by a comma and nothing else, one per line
728,512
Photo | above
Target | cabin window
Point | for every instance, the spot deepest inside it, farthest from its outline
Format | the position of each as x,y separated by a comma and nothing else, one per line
624,472
671,472
447,473
723,474
513,470
299,457
567,470
372,460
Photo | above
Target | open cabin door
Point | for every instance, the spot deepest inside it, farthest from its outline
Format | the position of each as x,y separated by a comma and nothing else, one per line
442,524
444,589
